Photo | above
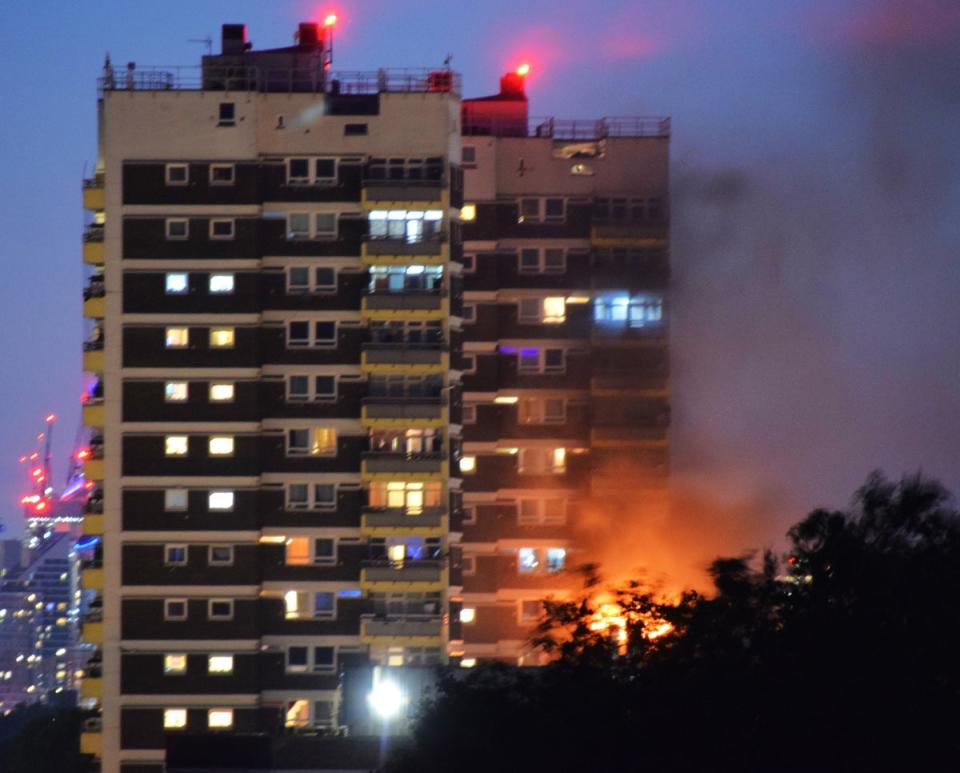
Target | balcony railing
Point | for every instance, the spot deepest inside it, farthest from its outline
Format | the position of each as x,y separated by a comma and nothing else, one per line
93,233
384,570
278,79
565,129
398,517
97,181
406,626
374,461
94,290
93,346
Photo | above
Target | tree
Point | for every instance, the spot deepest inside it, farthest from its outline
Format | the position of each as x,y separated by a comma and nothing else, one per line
839,656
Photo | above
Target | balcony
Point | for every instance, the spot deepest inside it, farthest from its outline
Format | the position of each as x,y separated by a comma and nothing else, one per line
410,632
93,413
403,305
402,413
93,251
382,574
397,520
403,194
406,464
93,193
94,299
385,252
404,358
91,741
627,233
91,632
91,688
652,436
93,356
93,525
91,575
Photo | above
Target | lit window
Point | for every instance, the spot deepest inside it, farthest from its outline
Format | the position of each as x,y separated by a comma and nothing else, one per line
324,441
298,551
221,445
177,229
468,615
468,213
177,284
175,664
295,604
175,555
177,337
530,610
220,500
221,393
174,719
528,560
222,337
556,557
221,283
219,718
468,464
559,460
221,229
175,445
554,310
220,664
298,714
175,391
175,499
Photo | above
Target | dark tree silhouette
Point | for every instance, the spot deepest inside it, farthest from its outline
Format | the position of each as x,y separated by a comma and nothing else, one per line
841,656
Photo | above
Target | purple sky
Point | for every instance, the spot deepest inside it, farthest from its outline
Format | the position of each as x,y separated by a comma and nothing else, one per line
815,204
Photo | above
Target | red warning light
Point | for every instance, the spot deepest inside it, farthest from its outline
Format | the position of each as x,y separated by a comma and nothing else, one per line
36,472
523,70
83,454
51,418
329,20
41,506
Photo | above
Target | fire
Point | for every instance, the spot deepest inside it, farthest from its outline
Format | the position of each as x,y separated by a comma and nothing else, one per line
610,618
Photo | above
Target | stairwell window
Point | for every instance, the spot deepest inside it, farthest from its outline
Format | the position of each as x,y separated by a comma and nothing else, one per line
174,719
220,555
220,664
227,114
220,501
175,555
175,500
175,664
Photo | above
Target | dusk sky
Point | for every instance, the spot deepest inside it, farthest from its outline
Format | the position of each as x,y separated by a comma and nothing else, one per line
816,210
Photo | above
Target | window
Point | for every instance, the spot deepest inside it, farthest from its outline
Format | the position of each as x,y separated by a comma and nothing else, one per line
469,415
221,393
298,714
469,263
537,260
543,461
322,171
175,609
528,560
468,465
298,171
298,388
298,225
324,334
553,360
220,609
468,157
222,174
354,129
541,410
177,228
325,279
542,512
177,174
175,665
220,555
296,604
324,550
410,496
227,114
220,501
219,719
325,225
321,441
298,496
551,310
222,337
174,719
298,659
221,229
618,309
297,551
548,210
531,560
177,284
535,360
468,615
220,664
175,391
530,610
469,565
175,499
325,388
411,226
324,658
391,279
469,313
556,558
220,284
177,337
469,515
175,445
220,445
468,213
324,605
325,495
298,280
319,225
468,363
325,170
175,555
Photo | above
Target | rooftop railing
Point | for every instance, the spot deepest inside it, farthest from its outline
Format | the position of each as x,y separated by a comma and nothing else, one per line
568,130
278,79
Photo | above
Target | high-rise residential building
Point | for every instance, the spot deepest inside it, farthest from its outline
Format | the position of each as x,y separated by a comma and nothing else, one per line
277,324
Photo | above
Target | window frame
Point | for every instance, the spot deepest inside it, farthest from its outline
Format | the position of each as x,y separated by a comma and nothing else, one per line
168,548
211,561
214,222
211,177
220,618
167,168
168,616
170,221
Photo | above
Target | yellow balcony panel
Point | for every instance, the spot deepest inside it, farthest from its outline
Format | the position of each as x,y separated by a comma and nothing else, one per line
399,306
390,466
404,194
94,308
93,361
93,253
629,437
93,193
406,633
628,235
93,524
93,415
92,633
405,361
411,576
391,252
91,687
93,469
388,521
403,414
92,579
91,743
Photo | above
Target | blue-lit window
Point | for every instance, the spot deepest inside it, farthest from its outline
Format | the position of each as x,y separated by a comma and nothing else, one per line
527,560
325,605
555,559
619,309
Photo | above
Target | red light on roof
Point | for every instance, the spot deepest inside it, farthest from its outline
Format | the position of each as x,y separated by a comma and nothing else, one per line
329,20
36,472
523,70
81,455
88,485
34,456
51,418
41,506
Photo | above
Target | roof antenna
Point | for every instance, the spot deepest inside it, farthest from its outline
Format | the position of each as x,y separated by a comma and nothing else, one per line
446,62
207,42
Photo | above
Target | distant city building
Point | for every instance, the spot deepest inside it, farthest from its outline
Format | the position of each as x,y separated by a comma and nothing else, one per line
360,352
